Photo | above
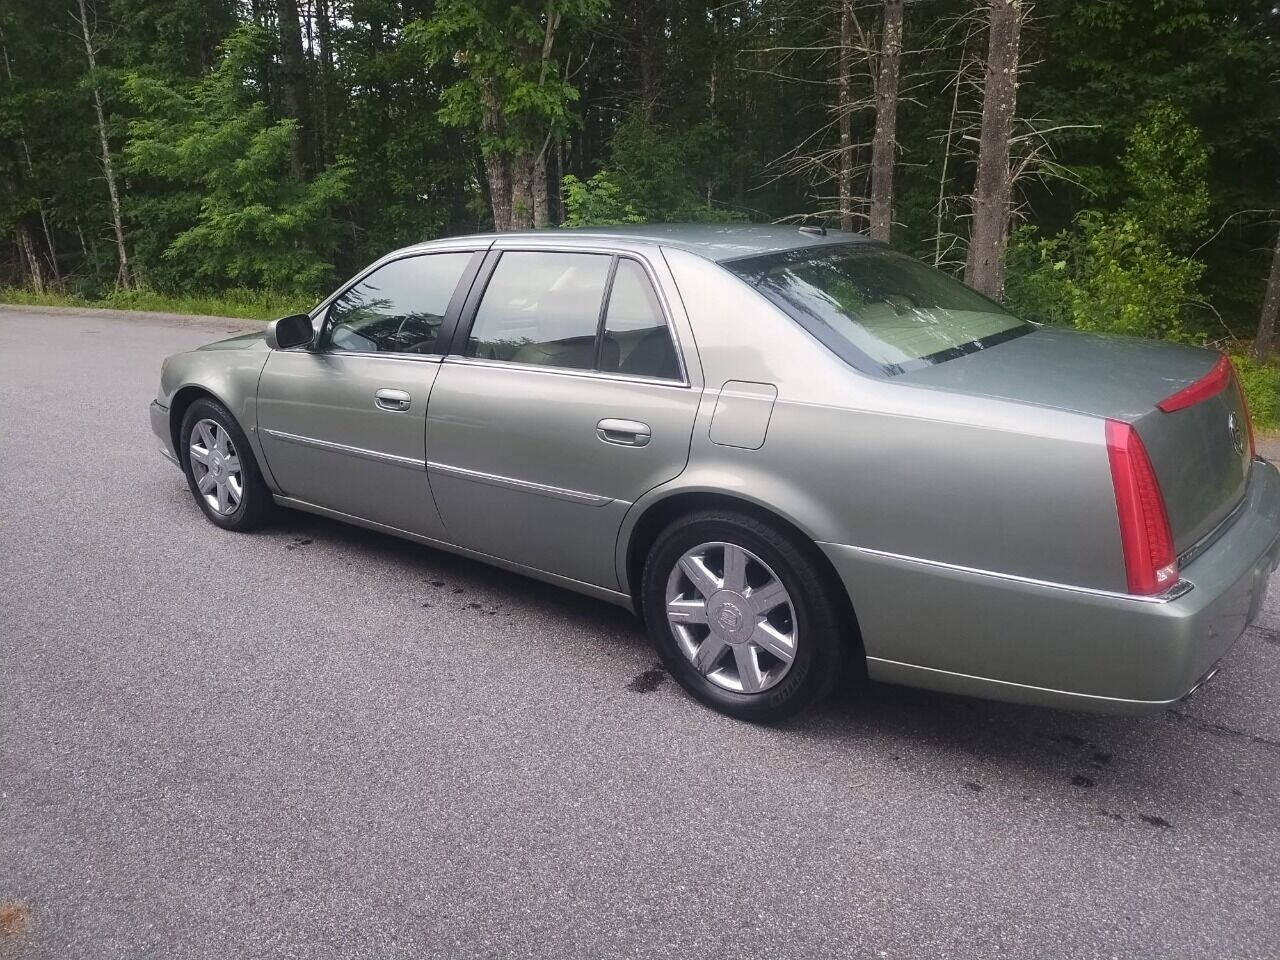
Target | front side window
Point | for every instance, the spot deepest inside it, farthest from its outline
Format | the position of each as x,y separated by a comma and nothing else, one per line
877,309
541,308
398,308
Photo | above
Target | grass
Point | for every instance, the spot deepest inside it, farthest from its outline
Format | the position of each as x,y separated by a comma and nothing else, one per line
238,302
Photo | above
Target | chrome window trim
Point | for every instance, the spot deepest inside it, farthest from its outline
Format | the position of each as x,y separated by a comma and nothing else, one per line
454,358
329,445
526,486
610,251
1179,589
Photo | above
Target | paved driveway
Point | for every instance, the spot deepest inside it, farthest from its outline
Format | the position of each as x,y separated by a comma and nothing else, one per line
317,742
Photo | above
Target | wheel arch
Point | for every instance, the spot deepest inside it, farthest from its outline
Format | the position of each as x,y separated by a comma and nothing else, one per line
182,400
659,514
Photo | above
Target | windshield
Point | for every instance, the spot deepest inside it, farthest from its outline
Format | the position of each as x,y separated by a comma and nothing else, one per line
879,310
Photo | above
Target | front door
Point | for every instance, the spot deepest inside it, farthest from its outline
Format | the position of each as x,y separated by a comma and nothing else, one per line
563,403
342,424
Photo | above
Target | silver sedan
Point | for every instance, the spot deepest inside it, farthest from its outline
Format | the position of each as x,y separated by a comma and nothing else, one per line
790,451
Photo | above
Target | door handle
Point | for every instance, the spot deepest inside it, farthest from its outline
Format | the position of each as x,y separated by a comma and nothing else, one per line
626,433
394,400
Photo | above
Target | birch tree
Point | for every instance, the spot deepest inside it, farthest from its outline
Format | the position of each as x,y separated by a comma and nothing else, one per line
108,171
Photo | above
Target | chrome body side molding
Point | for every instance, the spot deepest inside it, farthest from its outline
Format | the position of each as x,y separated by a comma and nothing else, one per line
527,486
391,458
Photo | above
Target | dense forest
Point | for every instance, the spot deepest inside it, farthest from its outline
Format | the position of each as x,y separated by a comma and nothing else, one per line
1111,164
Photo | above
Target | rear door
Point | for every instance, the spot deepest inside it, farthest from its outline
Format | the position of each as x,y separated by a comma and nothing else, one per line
342,422
564,398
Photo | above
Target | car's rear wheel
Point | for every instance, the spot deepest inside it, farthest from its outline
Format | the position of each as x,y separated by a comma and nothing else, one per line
743,615
220,467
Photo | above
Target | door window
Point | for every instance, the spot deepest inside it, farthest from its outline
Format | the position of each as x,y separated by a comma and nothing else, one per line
636,339
541,308
398,308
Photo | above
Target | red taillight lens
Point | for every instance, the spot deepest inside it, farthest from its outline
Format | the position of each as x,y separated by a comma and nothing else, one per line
1149,558
1210,385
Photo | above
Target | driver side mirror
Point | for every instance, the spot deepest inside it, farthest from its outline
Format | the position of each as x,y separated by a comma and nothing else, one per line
291,331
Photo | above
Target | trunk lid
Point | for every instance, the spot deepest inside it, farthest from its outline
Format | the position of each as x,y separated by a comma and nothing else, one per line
1200,453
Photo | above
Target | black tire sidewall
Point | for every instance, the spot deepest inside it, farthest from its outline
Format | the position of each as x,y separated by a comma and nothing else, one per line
818,653
252,506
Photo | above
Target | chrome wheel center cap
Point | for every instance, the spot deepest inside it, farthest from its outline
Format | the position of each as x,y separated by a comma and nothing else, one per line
729,615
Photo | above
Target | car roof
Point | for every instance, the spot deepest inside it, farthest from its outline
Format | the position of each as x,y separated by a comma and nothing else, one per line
715,241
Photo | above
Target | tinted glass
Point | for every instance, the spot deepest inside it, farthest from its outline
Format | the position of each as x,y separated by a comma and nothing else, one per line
398,308
541,308
880,306
636,338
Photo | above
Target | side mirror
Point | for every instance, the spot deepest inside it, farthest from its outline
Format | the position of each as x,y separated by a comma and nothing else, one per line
291,331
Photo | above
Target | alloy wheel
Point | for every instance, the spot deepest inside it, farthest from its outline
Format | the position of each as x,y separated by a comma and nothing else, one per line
732,617
215,464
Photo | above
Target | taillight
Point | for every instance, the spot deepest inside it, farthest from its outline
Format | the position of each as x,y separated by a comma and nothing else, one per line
1210,385
1149,558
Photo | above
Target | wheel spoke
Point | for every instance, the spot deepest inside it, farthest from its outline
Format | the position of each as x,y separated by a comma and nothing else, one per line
770,638
763,599
234,488
709,651
687,611
199,454
222,497
704,581
220,440
735,568
205,436
748,668
206,483
231,464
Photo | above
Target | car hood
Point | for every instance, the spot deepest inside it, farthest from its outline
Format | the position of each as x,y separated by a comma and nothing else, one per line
245,341
1117,377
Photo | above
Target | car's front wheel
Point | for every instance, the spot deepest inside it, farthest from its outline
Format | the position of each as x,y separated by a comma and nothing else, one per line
221,470
743,615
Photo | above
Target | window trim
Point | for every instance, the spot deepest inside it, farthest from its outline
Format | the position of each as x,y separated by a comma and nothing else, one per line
457,300
480,284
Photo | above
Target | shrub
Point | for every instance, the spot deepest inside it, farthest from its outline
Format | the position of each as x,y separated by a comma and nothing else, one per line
1261,383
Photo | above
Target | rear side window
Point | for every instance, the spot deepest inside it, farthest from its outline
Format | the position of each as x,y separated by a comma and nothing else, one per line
636,339
396,309
542,309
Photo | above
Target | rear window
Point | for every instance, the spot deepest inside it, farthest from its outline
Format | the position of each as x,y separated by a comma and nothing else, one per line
879,310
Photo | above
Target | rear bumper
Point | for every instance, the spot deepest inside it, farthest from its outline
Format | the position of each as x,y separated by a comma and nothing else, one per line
160,427
973,632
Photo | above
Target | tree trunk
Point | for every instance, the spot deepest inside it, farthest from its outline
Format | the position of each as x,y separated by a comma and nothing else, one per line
1264,343
34,273
541,193
844,109
293,76
522,183
498,173
323,120
122,256
884,143
992,195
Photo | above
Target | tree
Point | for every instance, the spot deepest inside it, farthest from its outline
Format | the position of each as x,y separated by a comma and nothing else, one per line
1265,339
884,143
993,191
293,76
514,93
108,170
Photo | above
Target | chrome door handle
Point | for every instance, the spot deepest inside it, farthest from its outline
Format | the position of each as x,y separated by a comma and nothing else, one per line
394,400
626,433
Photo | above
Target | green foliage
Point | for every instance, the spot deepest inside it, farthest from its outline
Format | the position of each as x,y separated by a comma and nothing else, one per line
248,304
251,222
596,202
1166,165
648,179
1261,383
497,46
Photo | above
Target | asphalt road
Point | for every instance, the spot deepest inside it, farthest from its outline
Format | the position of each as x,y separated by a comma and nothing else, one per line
317,741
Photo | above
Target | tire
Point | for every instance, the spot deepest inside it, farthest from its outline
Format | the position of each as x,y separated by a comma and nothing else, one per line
814,615
254,505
